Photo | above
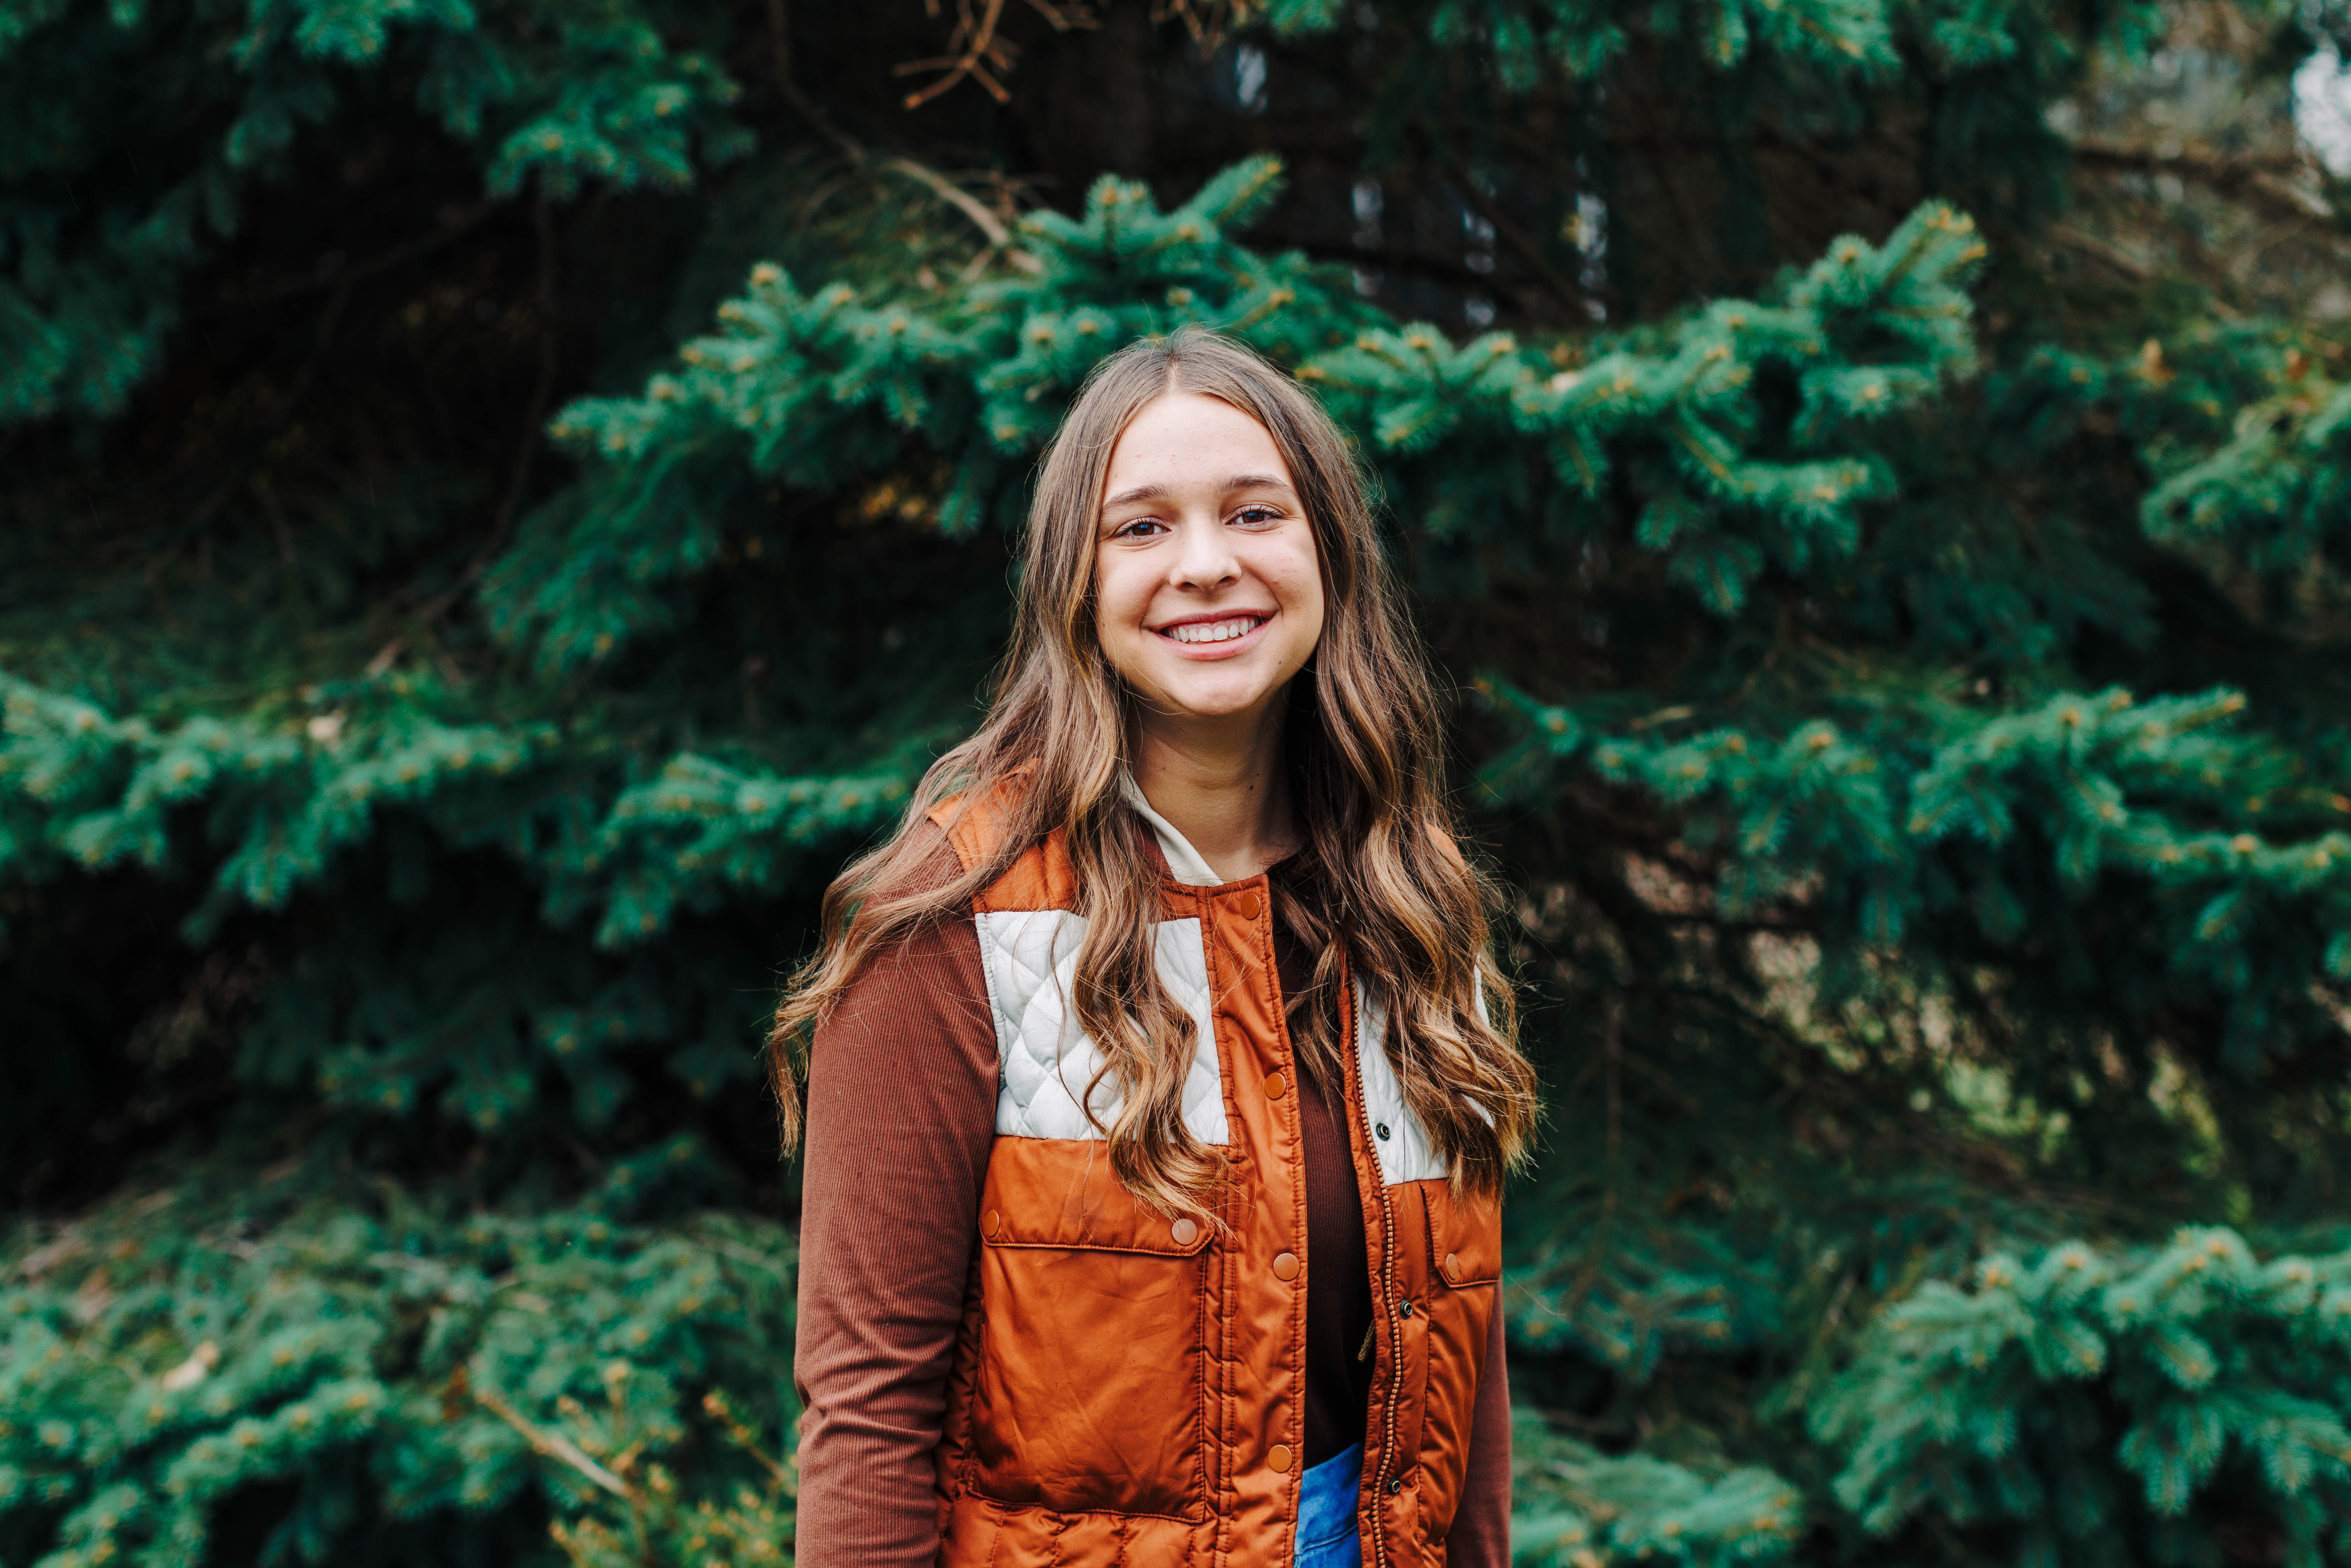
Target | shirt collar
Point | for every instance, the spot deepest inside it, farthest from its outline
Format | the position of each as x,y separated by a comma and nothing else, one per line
1185,863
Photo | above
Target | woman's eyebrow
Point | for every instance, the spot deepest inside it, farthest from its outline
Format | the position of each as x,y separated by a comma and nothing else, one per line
1160,492
1140,493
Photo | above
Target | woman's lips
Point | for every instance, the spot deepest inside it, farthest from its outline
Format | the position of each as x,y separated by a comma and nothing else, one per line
1223,649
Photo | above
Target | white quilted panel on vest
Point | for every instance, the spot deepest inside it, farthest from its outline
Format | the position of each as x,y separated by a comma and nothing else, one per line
1405,1154
1044,1062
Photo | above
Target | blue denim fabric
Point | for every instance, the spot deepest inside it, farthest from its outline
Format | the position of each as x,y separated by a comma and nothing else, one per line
1327,1537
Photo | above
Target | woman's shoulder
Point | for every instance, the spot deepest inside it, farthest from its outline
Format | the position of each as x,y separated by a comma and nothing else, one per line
929,944
912,1023
985,828
933,860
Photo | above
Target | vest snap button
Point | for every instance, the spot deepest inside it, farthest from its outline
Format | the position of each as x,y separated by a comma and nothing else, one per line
1452,1268
1184,1231
1285,1266
1276,1086
1396,1485
1382,1129
1248,905
994,1223
1405,1310
1279,1457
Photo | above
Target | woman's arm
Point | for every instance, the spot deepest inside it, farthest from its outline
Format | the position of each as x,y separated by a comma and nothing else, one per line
901,1112
1481,1536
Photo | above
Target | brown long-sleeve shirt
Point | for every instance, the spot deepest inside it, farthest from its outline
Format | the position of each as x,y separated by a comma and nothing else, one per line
901,1114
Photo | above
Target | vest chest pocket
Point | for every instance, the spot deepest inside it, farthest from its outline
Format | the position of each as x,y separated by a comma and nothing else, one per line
1087,1394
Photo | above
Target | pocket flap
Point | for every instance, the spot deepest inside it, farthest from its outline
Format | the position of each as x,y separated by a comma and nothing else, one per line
1465,1236
1057,1192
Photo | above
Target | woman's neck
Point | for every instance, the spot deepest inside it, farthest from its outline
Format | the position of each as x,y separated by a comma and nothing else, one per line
1223,788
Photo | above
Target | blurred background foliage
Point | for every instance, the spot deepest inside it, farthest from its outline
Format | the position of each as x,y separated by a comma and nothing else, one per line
500,498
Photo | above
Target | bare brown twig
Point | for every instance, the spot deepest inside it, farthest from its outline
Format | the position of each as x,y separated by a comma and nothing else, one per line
2113,255
998,236
963,201
780,40
2265,179
1206,20
971,49
554,1445
978,51
1523,243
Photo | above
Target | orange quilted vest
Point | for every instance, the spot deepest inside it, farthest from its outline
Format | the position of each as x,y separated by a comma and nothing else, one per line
1129,1389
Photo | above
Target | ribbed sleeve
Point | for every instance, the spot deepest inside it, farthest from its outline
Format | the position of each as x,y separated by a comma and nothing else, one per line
901,1113
1481,1536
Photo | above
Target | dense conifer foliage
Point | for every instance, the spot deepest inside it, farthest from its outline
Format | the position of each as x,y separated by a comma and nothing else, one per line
500,499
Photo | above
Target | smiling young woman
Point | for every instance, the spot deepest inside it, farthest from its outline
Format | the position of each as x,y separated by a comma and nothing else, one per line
1160,1085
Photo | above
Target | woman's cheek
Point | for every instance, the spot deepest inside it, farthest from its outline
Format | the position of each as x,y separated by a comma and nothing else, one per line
1117,610
1300,589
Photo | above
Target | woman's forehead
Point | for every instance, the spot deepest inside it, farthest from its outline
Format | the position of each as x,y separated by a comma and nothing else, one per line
1192,439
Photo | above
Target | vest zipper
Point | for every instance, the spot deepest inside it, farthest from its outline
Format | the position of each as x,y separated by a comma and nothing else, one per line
1387,1309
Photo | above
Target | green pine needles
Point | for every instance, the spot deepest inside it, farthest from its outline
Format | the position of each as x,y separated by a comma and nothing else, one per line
551,94
500,500
371,1359
2113,1408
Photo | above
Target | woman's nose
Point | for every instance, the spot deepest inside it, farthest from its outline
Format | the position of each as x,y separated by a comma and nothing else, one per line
1204,556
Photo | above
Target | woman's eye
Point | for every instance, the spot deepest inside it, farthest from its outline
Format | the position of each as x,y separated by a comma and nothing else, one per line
1139,529
1257,515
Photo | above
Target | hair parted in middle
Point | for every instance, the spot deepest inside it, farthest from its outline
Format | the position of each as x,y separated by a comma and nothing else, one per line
1379,878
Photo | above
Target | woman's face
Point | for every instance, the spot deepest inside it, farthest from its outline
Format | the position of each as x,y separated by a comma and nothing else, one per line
1208,597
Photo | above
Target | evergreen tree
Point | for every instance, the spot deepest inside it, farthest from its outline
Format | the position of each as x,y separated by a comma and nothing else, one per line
501,499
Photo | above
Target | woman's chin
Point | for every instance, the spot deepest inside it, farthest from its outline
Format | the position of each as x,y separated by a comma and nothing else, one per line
1214,701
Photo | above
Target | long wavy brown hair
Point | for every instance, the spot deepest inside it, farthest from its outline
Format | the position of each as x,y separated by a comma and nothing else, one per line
1378,879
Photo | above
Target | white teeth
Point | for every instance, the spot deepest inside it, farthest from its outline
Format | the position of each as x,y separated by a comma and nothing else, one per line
1216,631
